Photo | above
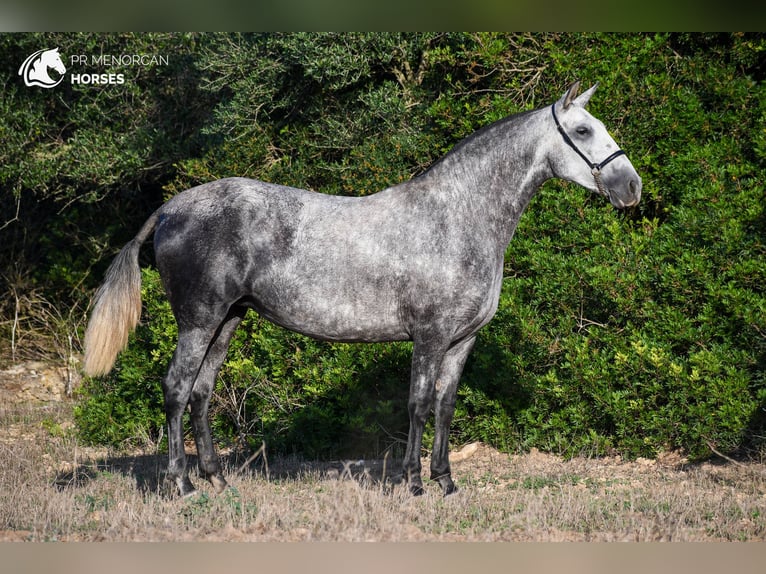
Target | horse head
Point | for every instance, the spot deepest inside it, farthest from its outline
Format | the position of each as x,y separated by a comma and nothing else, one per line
586,154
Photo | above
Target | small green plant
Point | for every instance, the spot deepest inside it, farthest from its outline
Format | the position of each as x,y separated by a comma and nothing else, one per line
54,428
93,503
232,500
196,506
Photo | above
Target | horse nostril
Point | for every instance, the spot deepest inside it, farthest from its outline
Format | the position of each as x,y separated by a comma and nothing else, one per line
635,186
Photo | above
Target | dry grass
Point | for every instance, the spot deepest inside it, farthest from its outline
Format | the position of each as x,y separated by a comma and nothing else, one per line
51,488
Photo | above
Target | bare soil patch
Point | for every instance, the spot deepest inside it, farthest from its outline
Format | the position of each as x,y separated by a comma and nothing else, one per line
53,488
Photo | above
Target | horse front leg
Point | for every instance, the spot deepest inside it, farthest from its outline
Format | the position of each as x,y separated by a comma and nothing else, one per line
426,360
446,393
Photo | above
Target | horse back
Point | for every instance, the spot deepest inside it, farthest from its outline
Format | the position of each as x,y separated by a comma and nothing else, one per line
336,268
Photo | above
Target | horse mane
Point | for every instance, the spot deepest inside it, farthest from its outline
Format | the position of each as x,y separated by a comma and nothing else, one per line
471,138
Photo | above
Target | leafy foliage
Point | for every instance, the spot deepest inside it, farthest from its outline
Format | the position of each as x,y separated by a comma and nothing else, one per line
632,332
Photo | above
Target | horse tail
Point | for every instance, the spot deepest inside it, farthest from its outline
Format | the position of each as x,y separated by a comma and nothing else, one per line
116,306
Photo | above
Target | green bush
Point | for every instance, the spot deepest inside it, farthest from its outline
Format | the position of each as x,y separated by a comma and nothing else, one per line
126,406
630,332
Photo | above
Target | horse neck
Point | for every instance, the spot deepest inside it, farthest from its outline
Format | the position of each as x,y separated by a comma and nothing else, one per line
492,175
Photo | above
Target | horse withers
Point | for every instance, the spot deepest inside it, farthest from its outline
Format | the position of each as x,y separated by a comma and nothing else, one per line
419,261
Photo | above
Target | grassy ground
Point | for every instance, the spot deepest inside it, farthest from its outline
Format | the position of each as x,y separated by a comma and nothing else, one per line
52,488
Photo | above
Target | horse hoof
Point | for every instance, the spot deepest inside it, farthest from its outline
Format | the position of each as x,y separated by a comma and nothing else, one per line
445,481
449,489
185,487
188,494
219,483
417,490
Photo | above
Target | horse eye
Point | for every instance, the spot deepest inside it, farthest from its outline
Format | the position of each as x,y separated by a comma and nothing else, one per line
582,130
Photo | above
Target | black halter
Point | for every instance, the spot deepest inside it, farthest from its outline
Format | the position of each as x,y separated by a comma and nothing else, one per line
595,168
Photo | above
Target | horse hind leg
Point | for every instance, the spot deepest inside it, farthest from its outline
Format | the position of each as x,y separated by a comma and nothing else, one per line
202,390
177,387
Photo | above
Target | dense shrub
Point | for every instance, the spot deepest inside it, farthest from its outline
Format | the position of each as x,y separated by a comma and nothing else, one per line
629,332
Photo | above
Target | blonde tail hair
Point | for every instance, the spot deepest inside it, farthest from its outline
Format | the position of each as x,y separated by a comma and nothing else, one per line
116,307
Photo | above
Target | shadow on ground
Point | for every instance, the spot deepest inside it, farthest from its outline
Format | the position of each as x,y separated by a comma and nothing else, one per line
148,471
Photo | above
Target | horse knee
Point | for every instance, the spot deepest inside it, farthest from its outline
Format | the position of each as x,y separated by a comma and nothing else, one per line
445,409
199,401
419,410
176,397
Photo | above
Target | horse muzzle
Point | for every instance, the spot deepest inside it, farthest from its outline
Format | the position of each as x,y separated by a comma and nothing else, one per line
624,190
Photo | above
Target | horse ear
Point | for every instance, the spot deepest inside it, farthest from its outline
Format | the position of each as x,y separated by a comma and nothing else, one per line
582,99
567,99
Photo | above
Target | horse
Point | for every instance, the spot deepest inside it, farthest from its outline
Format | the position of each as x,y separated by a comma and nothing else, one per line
35,68
420,261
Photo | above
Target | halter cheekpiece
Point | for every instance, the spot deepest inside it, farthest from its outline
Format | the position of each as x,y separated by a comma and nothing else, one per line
595,168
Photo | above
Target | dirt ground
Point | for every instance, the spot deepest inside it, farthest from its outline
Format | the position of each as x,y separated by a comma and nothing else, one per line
534,495
35,382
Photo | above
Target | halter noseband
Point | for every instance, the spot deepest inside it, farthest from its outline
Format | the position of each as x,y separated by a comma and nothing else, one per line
595,168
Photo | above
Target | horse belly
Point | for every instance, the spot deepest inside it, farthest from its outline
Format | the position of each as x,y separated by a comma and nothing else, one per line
348,313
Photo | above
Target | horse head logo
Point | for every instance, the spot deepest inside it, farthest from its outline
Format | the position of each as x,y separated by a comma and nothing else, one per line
35,68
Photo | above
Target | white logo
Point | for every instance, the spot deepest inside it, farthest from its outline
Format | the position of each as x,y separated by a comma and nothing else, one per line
35,68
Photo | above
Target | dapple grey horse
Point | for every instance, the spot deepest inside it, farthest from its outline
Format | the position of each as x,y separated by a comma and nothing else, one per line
419,261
